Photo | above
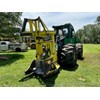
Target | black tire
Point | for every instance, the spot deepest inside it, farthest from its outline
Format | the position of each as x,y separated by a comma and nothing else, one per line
33,46
18,50
79,48
68,55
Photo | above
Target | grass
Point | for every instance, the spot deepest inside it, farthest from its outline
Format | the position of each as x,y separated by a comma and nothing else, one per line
86,74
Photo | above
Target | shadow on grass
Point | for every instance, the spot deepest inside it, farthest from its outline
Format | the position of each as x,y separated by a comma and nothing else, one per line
11,58
47,81
70,68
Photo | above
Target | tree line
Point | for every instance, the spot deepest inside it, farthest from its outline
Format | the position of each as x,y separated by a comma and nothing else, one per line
90,33
10,23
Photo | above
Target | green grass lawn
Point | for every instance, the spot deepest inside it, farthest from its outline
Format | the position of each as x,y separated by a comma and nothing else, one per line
86,73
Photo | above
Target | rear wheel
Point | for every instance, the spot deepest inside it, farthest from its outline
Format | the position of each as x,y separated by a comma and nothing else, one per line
79,48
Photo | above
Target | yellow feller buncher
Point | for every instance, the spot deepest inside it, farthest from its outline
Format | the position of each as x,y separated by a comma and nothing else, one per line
46,55
54,49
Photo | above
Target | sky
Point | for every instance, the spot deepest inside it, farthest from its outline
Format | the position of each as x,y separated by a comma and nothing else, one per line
77,19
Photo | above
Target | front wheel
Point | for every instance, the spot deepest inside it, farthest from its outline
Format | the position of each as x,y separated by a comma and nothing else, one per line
68,55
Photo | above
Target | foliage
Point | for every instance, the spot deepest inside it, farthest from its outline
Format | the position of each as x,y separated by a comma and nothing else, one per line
89,33
98,20
9,22
9,32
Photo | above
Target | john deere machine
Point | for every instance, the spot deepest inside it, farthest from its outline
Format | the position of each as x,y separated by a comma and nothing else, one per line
69,46
54,49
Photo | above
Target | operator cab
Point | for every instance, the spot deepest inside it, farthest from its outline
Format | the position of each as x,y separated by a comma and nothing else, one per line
66,30
63,32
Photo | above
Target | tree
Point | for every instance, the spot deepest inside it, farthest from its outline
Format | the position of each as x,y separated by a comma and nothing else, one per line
98,20
9,22
89,33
